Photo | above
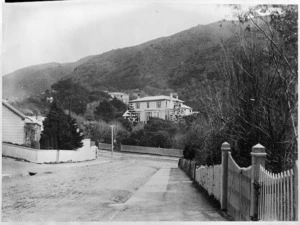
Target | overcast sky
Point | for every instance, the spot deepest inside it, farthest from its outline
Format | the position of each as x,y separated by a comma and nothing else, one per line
35,33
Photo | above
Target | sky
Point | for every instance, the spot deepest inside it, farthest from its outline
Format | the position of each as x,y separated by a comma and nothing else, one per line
65,31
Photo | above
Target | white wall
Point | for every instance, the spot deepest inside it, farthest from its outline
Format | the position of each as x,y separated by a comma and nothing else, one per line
12,127
87,152
46,156
19,152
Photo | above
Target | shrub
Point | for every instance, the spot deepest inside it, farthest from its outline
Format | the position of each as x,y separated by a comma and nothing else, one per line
125,123
189,152
135,138
158,139
156,124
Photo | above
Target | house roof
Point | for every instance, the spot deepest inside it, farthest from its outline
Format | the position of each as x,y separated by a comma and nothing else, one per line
155,98
11,108
126,114
30,119
117,93
185,106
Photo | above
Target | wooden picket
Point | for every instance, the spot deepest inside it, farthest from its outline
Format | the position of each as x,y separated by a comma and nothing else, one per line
276,199
209,177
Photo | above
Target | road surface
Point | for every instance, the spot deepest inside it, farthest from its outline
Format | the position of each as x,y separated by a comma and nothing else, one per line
127,188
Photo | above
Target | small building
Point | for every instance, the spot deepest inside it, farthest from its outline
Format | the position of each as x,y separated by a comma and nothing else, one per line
121,96
161,106
18,128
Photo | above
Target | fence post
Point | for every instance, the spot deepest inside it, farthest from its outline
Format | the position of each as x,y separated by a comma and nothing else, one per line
225,149
296,204
194,170
258,158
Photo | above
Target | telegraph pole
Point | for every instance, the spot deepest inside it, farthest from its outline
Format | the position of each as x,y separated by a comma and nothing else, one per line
112,140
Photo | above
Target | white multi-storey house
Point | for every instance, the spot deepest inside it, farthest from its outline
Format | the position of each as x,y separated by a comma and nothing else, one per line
161,106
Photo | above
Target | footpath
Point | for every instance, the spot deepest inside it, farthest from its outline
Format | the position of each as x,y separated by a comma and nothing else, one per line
168,196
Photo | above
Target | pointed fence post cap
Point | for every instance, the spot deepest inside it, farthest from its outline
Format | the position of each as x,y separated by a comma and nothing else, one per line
225,146
258,149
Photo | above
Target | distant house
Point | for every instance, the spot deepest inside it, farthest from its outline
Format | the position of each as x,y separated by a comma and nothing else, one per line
161,106
121,96
18,128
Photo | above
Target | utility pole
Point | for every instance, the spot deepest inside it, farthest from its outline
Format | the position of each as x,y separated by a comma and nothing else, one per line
112,140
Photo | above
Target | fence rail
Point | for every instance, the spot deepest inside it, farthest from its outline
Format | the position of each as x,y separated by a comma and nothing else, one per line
276,199
251,193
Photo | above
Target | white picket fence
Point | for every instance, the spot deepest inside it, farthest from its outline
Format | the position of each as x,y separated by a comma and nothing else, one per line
209,177
250,193
277,196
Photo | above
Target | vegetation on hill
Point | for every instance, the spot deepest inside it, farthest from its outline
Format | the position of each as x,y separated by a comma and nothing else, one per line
74,97
147,67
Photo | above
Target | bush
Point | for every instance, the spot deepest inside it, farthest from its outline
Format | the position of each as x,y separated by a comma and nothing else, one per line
120,137
189,152
125,123
156,124
160,139
135,138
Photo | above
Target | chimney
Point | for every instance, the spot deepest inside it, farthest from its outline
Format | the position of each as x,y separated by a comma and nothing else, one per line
171,96
138,96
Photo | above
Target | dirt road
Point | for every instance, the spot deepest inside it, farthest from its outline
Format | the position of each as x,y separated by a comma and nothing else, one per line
99,192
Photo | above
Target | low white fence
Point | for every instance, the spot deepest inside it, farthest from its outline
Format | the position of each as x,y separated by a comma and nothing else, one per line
152,150
188,167
277,195
251,193
87,152
104,146
209,177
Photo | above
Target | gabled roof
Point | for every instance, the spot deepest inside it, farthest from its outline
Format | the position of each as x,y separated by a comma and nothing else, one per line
11,108
156,98
126,114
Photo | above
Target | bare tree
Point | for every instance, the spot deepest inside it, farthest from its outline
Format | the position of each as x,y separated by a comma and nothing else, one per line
257,100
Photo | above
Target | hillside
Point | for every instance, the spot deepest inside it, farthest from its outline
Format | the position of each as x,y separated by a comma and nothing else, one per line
149,66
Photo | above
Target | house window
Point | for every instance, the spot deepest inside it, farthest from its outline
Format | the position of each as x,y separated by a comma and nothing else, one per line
148,104
158,104
138,117
148,115
137,105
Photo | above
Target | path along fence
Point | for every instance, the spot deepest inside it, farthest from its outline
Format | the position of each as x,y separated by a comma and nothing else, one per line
251,193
